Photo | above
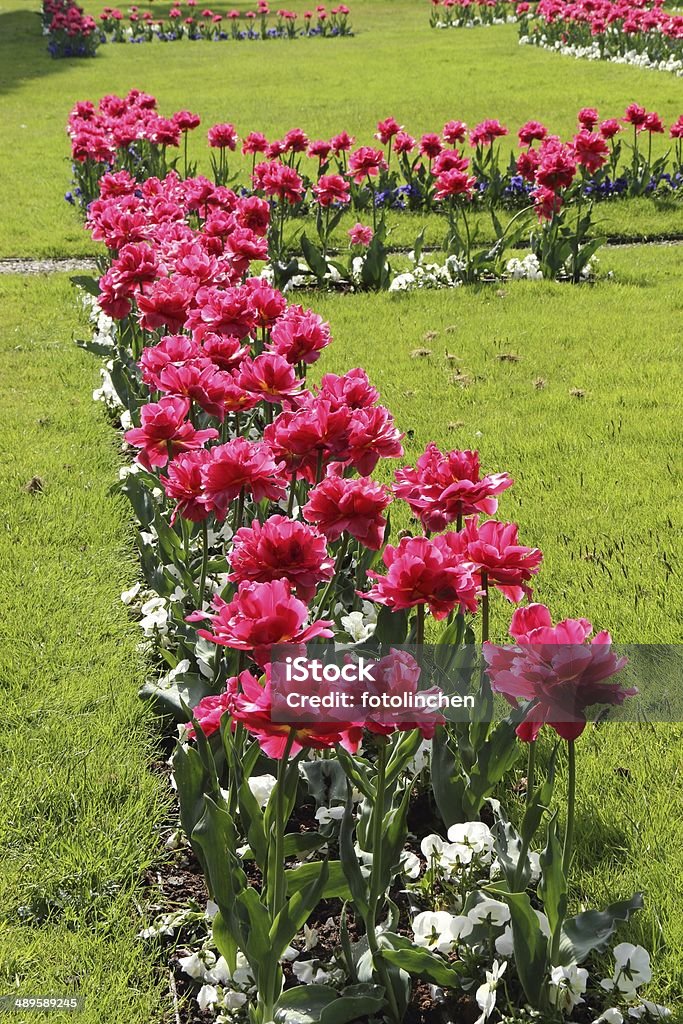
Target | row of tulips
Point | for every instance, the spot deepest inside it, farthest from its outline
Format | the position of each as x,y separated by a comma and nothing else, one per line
397,171
141,26
468,13
555,184
260,525
70,32
645,34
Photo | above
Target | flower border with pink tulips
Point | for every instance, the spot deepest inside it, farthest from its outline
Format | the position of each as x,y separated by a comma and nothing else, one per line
644,33
258,520
124,140
72,33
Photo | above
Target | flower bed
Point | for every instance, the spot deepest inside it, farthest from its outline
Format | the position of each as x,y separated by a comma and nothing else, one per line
544,182
74,34
469,13
644,34
70,32
260,524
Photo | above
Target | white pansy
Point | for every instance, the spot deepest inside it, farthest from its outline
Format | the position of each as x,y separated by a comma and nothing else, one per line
475,836
310,938
432,846
567,986
194,966
308,974
128,596
360,625
233,1000
290,954
219,974
154,616
631,970
169,679
437,929
326,815
410,864
489,911
649,1011
126,420
211,910
486,993
262,786
207,996
611,1016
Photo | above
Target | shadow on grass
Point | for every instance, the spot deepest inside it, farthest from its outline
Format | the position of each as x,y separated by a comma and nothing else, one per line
23,50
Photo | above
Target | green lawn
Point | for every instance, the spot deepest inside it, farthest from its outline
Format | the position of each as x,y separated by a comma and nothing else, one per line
597,488
395,65
78,804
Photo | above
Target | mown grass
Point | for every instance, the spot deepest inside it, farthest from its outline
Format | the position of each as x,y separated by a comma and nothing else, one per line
576,391
78,803
395,65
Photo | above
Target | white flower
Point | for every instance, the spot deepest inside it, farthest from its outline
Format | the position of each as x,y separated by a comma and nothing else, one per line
652,1010
632,969
410,864
360,625
193,966
486,993
233,1000
325,815
310,938
126,420
421,759
290,954
489,911
211,910
207,996
567,985
262,786
439,929
432,846
611,1016
306,972
219,973
155,616
181,668
128,596
474,836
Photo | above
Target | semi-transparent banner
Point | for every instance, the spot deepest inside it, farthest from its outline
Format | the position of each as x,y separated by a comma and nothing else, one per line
419,686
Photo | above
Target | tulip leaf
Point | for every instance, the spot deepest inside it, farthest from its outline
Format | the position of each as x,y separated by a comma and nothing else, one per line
553,887
296,912
529,943
215,833
313,257
421,963
357,884
303,1004
392,626
594,928
336,885
354,1002
326,781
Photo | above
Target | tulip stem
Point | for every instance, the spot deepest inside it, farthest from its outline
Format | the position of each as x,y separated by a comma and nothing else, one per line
292,492
205,562
376,880
239,513
280,885
530,772
420,625
484,606
571,804
339,561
